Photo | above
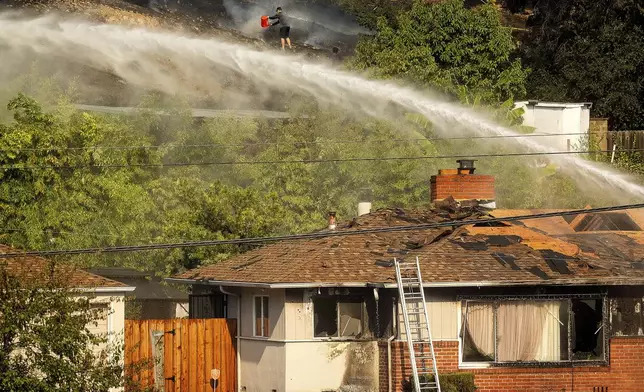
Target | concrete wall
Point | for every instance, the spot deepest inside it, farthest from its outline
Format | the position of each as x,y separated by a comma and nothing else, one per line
326,365
262,365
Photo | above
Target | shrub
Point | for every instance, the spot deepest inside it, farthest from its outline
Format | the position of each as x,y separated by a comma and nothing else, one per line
450,382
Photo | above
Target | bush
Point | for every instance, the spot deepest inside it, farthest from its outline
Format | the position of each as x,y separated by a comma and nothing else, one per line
450,382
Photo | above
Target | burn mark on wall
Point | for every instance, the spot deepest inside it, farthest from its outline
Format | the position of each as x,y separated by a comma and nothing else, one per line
627,318
361,372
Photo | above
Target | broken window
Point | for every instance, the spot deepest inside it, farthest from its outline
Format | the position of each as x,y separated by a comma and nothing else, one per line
627,318
261,317
325,317
587,330
532,330
338,317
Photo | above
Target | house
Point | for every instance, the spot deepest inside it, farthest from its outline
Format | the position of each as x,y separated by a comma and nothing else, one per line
524,306
104,293
569,123
151,298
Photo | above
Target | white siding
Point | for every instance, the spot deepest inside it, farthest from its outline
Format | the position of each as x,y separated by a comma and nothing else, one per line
443,318
276,317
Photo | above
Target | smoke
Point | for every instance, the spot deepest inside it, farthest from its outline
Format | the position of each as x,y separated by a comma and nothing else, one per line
176,64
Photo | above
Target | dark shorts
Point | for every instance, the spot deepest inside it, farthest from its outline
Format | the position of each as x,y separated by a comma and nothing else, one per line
285,31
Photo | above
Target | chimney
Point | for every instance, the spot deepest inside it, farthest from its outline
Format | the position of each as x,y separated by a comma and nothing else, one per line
463,184
332,220
364,205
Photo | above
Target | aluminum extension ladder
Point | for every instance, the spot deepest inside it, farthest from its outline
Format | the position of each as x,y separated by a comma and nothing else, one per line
417,330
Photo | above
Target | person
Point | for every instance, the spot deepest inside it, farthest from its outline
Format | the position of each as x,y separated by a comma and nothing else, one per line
285,27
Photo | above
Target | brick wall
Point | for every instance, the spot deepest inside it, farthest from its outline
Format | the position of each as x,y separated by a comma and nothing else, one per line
462,186
624,374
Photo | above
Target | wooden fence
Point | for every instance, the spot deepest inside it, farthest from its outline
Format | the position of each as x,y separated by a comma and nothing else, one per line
626,141
178,355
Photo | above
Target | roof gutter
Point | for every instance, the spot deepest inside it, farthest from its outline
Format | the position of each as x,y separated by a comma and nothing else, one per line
273,285
105,289
529,283
394,285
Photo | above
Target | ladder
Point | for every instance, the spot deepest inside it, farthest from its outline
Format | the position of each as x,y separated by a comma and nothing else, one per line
417,331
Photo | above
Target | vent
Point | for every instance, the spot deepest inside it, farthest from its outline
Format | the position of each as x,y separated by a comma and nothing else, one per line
608,221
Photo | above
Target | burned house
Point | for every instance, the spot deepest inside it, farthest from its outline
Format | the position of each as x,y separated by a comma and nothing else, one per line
523,305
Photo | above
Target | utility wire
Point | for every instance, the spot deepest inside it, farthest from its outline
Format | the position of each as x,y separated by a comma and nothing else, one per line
316,235
303,161
314,142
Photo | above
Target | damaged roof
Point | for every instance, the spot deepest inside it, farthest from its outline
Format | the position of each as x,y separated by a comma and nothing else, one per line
479,254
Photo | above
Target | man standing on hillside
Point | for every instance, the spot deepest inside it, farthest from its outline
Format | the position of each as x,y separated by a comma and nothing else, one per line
285,27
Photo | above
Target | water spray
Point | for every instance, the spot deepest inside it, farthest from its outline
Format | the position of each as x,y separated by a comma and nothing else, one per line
172,63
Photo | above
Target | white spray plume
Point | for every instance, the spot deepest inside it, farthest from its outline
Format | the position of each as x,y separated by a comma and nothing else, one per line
172,63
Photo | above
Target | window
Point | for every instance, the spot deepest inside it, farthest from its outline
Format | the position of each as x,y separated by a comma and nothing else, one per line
532,330
338,317
261,317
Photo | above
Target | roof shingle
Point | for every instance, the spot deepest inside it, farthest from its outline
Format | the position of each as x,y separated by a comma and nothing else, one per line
503,254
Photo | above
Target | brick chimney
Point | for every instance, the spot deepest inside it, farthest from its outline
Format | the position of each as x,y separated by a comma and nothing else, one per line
462,184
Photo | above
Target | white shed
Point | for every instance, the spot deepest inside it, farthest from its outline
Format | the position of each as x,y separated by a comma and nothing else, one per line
568,122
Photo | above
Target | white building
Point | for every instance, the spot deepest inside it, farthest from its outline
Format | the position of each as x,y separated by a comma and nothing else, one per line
569,121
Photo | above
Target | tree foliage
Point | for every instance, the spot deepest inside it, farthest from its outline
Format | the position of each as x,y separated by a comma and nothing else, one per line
460,51
78,180
590,51
45,343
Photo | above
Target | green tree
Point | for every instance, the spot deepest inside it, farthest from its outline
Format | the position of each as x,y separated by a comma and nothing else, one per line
45,345
463,52
591,51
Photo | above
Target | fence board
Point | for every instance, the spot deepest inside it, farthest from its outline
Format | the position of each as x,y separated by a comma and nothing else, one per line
196,347
626,141
178,344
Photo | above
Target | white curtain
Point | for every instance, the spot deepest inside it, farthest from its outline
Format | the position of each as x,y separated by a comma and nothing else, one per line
529,331
479,328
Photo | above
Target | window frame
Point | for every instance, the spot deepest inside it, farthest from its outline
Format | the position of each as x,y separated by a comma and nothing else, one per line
260,334
496,299
338,300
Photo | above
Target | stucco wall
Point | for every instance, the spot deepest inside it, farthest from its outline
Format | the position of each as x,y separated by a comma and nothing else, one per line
262,365
324,365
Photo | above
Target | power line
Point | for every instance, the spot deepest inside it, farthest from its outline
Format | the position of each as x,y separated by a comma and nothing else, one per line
303,161
289,143
323,234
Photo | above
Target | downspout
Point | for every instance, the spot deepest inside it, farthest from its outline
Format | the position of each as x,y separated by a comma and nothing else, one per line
238,332
389,340
394,332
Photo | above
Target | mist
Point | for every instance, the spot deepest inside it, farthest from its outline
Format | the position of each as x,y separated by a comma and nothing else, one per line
238,76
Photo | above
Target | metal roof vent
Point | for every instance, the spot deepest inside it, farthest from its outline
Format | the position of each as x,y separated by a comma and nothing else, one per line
466,166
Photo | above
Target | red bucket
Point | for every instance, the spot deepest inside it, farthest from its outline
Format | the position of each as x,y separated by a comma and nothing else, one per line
265,21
